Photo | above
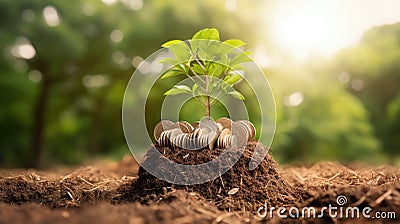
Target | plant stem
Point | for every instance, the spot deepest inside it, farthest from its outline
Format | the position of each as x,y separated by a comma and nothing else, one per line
198,99
208,105
207,98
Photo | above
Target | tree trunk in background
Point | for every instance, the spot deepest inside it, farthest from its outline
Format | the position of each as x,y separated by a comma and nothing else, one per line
39,123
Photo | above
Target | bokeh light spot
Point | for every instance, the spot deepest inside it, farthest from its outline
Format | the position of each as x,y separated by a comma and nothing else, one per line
116,35
35,76
294,99
51,17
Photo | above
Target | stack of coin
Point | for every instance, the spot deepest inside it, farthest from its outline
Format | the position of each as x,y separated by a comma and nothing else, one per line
223,133
184,135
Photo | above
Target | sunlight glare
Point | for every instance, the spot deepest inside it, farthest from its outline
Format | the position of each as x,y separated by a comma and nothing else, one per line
308,28
230,5
261,58
308,31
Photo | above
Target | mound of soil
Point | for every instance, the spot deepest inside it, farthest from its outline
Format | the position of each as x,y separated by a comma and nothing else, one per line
121,193
239,189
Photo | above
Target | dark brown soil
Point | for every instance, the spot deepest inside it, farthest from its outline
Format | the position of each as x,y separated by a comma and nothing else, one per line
255,187
123,193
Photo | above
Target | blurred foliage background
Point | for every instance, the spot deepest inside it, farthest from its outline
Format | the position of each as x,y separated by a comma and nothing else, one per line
65,65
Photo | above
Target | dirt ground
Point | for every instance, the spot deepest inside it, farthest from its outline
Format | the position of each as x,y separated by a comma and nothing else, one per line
124,193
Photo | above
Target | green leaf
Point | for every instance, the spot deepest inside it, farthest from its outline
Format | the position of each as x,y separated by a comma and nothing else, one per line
181,51
224,59
236,94
216,69
177,66
171,73
232,79
237,67
213,49
196,90
194,87
197,69
242,57
235,42
171,42
207,34
168,61
182,67
178,89
203,55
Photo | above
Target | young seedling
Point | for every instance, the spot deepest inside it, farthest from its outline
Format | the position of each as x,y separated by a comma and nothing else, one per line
211,65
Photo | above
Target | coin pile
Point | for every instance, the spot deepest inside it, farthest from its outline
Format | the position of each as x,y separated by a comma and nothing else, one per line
222,133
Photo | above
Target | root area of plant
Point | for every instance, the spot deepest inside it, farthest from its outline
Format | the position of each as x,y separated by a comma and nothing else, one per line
124,193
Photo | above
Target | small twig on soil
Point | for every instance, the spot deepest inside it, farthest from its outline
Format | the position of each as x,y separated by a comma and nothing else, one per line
380,173
382,197
69,189
129,177
183,219
362,199
396,197
377,179
70,195
301,179
201,210
72,203
222,216
106,181
318,177
65,177
86,181
222,181
34,176
395,192
95,188
333,177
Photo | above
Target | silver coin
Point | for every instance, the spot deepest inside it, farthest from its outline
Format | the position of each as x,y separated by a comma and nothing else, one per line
185,126
195,124
250,127
239,130
225,122
162,126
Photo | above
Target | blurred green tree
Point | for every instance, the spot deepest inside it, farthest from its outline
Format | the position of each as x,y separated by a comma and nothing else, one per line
318,119
69,49
374,71
66,66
